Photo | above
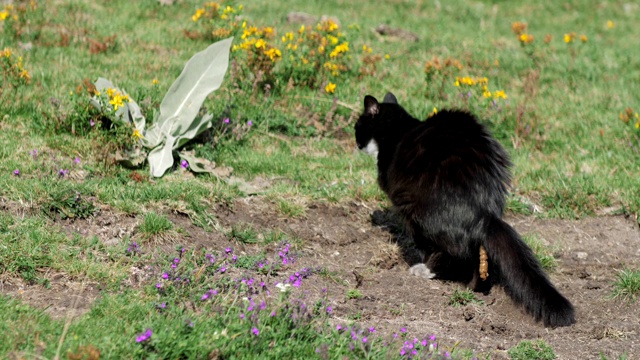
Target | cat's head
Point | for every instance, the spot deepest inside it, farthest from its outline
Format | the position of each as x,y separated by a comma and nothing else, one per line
373,125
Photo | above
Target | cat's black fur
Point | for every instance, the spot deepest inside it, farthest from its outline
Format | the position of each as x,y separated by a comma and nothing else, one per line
448,179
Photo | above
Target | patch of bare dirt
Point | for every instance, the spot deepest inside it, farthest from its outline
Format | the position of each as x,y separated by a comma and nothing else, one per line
61,298
346,240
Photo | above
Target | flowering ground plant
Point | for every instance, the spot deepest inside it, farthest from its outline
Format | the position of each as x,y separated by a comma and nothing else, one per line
179,119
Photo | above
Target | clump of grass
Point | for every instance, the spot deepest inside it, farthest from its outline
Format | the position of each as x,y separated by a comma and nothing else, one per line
290,209
627,285
354,294
70,203
463,298
543,253
528,350
244,233
157,228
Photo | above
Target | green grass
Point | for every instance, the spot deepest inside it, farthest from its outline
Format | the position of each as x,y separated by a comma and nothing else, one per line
528,350
543,253
354,294
463,298
154,224
560,123
627,285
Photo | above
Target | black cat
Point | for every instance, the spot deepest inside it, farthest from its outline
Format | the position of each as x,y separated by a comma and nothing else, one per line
448,179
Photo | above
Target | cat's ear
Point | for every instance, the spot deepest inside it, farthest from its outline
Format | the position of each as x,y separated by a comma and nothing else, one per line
371,105
390,99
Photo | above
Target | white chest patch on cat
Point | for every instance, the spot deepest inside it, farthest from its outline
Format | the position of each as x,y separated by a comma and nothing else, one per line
371,148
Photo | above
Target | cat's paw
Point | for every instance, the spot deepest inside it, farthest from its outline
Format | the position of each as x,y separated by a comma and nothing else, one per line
421,270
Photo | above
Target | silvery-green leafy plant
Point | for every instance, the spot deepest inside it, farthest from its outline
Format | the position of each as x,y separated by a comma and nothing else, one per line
179,120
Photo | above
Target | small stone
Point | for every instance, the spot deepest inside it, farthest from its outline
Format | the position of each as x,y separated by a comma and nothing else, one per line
581,255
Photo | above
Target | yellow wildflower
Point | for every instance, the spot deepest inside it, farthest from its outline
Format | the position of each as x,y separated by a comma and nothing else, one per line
155,82
434,112
366,49
197,15
342,48
273,54
334,40
327,25
330,88
638,125
569,37
610,24
4,14
244,25
321,49
465,81
525,38
7,52
260,44
110,92
386,56
268,31
486,94
301,31
583,38
24,74
136,134
499,94
117,101
288,37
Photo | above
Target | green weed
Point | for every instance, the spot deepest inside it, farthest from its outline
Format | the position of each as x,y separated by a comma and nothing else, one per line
463,298
627,285
528,350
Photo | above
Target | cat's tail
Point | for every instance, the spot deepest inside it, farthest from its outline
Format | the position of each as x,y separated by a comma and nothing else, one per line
523,278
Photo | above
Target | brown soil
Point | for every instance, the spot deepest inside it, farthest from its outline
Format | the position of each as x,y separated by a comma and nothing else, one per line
355,242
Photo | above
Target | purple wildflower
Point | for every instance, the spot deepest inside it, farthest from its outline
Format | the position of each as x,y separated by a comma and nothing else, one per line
223,269
158,285
163,305
273,313
372,329
205,296
33,152
241,316
63,172
364,339
226,121
77,160
16,172
228,250
263,305
165,275
92,123
329,309
403,329
255,331
250,123
144,336
184,164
